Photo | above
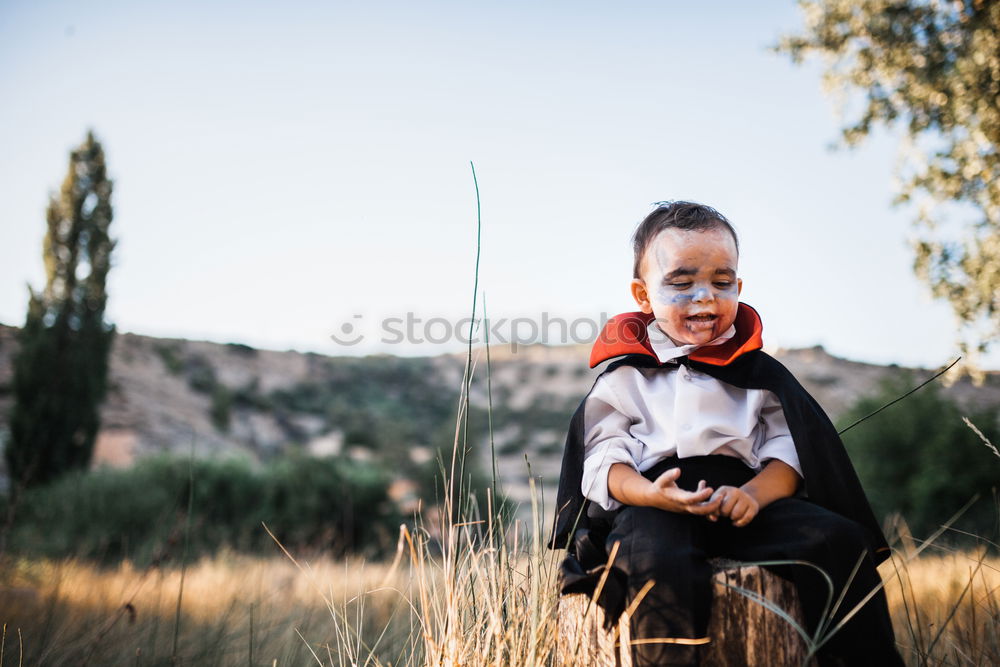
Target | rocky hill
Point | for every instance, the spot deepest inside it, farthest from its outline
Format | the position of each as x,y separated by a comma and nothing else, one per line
227,399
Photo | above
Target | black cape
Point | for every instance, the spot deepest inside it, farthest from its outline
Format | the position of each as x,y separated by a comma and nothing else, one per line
829,478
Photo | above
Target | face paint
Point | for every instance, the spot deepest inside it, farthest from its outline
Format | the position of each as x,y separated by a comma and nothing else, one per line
680,298
691,284
669,295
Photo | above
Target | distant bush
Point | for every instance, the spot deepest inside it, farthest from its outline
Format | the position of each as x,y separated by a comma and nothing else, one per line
387,404
200,374
918,458
330,504
241,349
476,486
249,396
219,412
170,358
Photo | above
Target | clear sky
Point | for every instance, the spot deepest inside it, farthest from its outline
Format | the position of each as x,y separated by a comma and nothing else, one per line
283,169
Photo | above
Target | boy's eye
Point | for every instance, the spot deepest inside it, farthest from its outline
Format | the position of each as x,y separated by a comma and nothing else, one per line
680,285
723,284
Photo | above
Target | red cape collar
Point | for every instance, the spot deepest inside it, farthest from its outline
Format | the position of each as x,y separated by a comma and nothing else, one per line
626,334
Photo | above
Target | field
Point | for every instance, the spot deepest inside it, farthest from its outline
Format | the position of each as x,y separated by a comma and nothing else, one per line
470,604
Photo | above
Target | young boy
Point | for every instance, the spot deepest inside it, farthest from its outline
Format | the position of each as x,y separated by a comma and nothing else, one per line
697,444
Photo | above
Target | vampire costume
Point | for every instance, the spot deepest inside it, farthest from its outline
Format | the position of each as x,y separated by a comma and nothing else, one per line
831,527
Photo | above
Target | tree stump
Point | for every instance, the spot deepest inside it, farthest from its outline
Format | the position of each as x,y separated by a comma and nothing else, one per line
742,631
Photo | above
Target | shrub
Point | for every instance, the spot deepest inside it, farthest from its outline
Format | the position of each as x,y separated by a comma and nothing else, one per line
331,504
222,402
919,459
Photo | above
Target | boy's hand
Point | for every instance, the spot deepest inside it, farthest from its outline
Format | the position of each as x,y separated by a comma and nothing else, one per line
665,494
741,505
733,502
776,480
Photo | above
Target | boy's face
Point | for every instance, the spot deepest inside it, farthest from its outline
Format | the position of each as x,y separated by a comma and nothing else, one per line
689,283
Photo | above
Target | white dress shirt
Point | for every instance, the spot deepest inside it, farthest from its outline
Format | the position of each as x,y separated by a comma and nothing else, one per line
640,416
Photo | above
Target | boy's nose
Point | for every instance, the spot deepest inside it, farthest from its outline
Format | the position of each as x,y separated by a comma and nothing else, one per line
702,294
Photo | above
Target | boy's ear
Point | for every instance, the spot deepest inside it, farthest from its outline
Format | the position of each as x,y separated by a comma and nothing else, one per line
641,296
739,286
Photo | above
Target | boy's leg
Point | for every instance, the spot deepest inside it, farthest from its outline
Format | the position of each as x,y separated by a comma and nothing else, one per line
670,620
795,529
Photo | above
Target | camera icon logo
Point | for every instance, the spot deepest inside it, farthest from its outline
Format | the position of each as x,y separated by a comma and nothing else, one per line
349,333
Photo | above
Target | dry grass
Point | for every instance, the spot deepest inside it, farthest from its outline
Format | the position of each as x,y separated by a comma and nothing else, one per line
467,598
480,606
946,608
70,612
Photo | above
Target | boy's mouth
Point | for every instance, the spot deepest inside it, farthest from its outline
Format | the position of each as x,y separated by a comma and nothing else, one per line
701,321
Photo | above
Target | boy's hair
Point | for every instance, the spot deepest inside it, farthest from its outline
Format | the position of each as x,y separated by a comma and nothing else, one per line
685,215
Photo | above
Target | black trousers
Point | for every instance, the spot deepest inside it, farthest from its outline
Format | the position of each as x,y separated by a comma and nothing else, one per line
673,549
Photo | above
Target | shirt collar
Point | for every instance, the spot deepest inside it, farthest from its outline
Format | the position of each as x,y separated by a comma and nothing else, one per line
667,351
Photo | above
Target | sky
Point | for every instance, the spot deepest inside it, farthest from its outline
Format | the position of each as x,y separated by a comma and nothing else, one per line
284,175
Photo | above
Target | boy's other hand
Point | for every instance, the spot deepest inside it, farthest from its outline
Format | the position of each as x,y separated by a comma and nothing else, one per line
735,503
665,494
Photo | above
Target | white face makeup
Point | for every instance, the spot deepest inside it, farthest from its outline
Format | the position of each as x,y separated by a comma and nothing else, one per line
689,283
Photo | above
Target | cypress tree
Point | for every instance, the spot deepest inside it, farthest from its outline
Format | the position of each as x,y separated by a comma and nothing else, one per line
60,371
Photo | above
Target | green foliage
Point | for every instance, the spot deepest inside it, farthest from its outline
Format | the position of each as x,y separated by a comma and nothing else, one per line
222,402
249,397
934,66
475,495
168,355
242,350
333,504
202,379
60,371
200,374
919,458
388,404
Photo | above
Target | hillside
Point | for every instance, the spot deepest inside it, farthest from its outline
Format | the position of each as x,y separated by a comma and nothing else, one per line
229,399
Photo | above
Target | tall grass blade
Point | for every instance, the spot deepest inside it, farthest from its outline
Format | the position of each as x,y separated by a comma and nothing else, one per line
767,604
982,437
184,553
